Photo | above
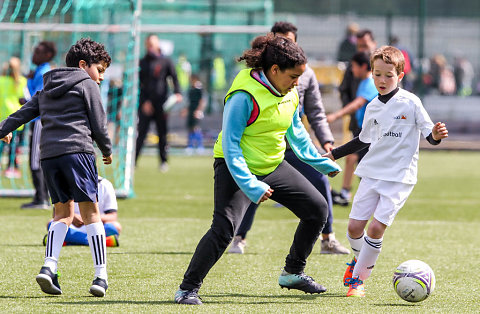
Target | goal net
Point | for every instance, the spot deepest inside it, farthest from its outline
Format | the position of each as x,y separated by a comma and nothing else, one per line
25,23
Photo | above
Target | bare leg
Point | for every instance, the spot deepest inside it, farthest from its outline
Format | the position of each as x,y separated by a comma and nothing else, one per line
376,229
89,212
356,228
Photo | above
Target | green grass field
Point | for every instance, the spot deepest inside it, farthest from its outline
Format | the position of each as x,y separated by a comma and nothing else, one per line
440,225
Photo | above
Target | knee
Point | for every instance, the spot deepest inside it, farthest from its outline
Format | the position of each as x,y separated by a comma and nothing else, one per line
376,229
65,219
223,232
319,212
354,231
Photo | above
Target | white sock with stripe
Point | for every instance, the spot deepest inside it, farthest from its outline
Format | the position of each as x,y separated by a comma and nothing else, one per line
367,258
55,237
356,244
98,247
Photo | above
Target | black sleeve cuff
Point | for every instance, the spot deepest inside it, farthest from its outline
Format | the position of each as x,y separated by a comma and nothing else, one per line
431,140
351,147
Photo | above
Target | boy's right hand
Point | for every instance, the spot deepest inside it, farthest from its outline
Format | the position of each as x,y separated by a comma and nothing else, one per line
107,160
7,138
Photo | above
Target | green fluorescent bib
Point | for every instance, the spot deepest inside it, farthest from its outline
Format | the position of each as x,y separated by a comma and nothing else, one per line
262,142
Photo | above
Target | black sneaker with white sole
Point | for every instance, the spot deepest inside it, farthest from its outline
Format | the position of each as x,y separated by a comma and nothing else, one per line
99,287
300,282
48,281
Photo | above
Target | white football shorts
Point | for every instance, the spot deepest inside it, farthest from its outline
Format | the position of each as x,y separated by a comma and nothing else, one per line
382,199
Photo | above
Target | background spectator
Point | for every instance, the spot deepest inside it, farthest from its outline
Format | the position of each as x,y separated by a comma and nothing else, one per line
348,46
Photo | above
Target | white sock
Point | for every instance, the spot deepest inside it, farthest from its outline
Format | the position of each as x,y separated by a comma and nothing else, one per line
367,258
56,236
356,244
98,247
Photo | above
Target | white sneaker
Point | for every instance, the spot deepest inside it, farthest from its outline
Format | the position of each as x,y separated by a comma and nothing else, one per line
345,194
164,167
238,245
333,246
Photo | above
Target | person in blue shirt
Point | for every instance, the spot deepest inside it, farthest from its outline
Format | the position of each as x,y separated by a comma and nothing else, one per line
365,93
261,109
43,53
366,90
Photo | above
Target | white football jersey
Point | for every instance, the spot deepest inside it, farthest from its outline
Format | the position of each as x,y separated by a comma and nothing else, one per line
393,131
107,201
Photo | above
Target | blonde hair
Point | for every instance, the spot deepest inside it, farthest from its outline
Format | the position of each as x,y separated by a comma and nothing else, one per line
13,69
389,55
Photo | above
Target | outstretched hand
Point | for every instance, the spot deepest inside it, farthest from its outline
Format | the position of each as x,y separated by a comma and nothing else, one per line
439,131
7,138
331,117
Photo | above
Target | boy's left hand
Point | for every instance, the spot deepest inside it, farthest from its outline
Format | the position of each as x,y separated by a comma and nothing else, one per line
7,138
107,160
439,131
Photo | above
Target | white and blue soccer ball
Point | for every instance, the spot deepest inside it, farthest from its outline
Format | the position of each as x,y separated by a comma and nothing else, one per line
414,281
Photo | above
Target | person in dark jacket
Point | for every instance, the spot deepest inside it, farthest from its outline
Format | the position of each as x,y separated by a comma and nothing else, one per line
72,115
348,46
155,69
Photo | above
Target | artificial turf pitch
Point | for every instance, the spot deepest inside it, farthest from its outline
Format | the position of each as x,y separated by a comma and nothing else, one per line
440,225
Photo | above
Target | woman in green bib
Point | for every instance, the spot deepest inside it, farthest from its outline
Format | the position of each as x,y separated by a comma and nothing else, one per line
261,109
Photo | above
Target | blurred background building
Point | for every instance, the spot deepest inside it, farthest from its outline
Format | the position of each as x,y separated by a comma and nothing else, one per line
205,36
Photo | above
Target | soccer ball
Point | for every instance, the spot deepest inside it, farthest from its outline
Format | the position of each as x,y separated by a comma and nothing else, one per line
414,281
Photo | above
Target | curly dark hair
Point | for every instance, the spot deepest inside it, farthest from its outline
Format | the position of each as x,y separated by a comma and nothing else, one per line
89,51
50,47
270,49
362,58
283,28
365,32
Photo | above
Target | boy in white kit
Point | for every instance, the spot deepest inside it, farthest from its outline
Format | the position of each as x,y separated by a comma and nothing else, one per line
392,126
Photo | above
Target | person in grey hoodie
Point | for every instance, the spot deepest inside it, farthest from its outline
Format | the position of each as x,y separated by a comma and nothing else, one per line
72,116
